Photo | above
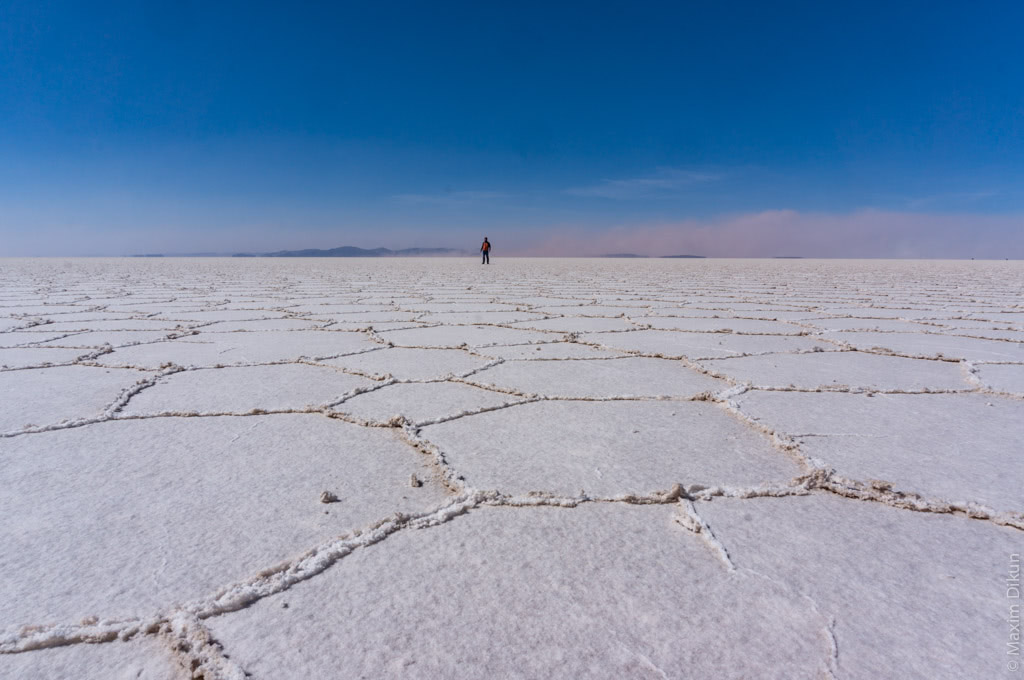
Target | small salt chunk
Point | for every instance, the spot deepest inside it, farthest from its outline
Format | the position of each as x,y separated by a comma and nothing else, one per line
328,497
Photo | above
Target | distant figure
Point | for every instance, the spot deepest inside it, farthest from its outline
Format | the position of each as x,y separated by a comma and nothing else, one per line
486,250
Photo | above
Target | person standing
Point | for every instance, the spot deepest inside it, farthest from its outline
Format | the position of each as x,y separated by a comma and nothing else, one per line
485,249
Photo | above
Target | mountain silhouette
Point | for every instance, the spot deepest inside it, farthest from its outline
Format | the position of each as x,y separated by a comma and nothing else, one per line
352,251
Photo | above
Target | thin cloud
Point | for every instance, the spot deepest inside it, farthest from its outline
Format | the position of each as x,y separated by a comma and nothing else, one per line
449,197
664,182
957,197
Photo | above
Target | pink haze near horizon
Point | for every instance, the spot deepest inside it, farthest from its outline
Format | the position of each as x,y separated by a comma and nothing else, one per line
780,233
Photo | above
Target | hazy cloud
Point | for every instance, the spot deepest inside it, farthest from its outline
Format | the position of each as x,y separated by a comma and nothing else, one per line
774,233
954,198
664,182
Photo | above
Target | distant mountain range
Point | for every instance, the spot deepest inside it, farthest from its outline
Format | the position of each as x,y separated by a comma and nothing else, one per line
352,251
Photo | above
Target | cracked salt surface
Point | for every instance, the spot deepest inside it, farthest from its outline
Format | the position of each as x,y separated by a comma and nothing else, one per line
731,325
263,325
145,659
232,349
916,442
1008,378
702,345
579,324
605,378
592,592
96,339
24,357
242,389
622,468
410,364
556,348
419,402
607,447
45,396
17,338
57,325
457,336
912,595
841,370
130,517
934,345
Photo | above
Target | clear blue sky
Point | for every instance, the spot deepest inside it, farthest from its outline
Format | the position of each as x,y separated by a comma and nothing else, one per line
807,128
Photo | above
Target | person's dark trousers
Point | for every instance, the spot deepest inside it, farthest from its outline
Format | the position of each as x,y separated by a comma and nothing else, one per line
487,258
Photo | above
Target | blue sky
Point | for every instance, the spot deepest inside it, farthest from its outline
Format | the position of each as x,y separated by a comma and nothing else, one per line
748,129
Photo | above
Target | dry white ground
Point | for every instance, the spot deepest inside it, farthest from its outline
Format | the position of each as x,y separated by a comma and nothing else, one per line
542,468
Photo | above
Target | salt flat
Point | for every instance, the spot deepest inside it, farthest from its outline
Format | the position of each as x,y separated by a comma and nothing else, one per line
539,468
